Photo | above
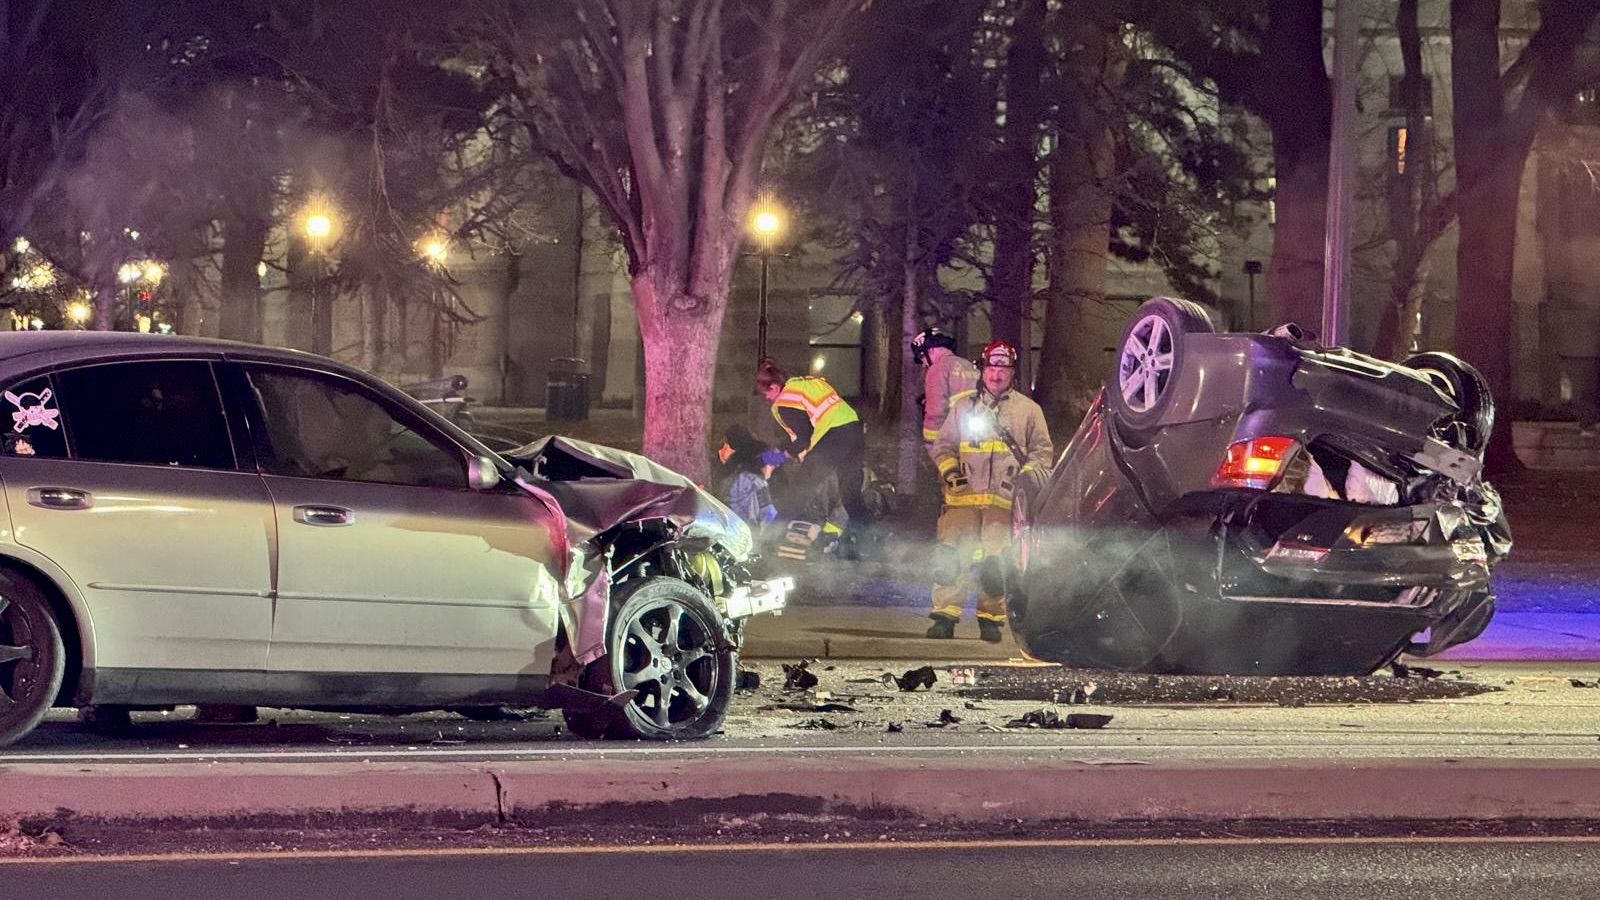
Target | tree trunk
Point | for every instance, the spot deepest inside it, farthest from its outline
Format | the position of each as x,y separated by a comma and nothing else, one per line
680,361
1011,284
105,308
1080,217
1489,176
909,374
1300,115
244,243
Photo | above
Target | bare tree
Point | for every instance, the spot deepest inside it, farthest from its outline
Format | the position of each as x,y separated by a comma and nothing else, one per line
663,109
1497,114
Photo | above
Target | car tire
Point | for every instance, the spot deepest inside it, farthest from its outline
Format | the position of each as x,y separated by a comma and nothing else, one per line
33,660
665,639
1470,390
1149,357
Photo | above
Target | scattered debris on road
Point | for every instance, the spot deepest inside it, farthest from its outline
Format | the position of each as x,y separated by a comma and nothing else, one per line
1049,718
798,677
924,677
1071,687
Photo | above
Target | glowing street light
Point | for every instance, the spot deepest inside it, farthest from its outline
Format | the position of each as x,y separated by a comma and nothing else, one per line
153,272
79,312
767,224
318,227
435,250
130,272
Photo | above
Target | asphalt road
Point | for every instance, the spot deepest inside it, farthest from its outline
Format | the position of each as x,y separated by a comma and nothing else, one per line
1537,714
1310,869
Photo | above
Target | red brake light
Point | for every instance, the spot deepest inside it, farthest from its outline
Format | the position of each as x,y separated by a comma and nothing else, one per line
1253,463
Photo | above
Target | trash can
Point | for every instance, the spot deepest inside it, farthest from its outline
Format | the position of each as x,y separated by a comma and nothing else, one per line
567,390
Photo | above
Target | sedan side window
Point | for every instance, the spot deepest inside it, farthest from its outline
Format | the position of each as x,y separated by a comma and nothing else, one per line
320,427
163,413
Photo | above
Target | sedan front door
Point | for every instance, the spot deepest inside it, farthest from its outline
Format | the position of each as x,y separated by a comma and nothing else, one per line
389,564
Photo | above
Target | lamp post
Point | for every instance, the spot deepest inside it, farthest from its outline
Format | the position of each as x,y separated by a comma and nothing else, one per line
435,252
319,228
766,224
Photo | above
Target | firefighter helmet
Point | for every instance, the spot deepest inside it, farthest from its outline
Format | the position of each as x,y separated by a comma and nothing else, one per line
999,353
927,339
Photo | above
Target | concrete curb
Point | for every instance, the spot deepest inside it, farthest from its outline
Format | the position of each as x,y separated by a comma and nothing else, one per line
969,789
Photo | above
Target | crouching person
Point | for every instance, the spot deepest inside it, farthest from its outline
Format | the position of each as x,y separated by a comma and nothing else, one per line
988,440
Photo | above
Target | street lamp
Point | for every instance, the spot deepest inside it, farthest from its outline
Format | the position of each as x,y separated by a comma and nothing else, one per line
766,224
79,312
319,227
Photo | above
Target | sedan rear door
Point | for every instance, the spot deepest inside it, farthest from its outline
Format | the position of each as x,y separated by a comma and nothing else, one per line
123,477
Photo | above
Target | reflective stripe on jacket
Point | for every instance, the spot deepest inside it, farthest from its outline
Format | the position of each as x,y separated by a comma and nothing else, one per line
821,404
972,441
947,380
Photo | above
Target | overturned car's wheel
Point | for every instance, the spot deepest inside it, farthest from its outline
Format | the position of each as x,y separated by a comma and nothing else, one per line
32,658
1468,388
1150,357
665,641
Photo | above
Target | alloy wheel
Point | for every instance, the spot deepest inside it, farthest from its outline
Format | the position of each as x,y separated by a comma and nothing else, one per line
1145,364
669,657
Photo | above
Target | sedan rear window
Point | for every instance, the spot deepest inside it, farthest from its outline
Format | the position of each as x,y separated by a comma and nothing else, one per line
165,413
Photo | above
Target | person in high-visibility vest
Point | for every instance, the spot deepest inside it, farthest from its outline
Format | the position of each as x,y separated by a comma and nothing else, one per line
824,433
990,438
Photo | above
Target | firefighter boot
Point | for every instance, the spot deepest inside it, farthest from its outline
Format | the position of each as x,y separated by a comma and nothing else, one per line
943,627
989,630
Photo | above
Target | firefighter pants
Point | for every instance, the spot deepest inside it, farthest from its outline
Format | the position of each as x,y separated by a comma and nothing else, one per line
840,453
975,532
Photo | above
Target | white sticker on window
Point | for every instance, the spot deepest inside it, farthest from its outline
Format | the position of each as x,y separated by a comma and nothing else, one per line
31,410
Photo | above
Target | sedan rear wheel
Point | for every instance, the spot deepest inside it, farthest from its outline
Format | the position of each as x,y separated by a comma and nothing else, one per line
665,642
32,658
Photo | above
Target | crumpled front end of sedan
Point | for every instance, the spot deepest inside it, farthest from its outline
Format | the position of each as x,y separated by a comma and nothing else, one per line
625,512
1291,509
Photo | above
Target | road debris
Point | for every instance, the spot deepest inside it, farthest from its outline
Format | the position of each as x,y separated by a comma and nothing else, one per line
1049,718
798,677
1401,670
823,707
1060,686
895,728
946,718
924,677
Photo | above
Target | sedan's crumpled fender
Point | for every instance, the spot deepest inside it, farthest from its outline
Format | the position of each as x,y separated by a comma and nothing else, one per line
594,488
600,487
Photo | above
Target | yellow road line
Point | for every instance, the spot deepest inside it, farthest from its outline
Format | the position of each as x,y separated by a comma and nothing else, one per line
803,847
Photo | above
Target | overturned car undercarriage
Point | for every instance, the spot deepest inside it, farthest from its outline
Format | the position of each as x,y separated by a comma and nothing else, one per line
1258,504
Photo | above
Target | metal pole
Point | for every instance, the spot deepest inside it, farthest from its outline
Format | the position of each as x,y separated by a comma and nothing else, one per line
1253,325
761,315
1341,165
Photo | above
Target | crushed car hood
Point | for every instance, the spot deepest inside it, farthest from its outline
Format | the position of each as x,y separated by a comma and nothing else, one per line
600,487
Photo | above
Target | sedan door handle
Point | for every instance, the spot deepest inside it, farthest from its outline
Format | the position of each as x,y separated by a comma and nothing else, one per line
60,498
323,515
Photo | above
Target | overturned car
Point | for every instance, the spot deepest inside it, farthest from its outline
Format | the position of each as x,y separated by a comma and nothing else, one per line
1259,504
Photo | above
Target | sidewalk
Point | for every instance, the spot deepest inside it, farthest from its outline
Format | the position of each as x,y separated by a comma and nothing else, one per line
848,632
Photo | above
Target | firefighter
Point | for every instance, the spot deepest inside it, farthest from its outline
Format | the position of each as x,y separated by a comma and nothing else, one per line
990,438
948,378
825,434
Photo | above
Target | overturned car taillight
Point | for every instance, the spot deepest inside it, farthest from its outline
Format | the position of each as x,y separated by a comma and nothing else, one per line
1253,463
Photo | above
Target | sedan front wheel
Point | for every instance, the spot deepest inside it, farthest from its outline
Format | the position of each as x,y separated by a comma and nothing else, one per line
664,641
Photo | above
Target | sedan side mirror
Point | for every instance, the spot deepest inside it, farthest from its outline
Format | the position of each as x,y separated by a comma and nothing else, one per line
482,475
